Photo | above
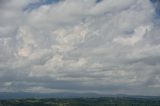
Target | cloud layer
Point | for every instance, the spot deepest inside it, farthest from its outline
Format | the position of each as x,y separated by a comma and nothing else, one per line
102,46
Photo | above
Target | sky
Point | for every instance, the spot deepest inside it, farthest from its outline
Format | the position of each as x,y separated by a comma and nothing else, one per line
80,46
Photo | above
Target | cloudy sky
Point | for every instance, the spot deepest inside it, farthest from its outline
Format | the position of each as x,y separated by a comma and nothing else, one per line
100,46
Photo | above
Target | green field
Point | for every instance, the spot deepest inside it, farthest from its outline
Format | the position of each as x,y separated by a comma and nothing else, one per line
105,101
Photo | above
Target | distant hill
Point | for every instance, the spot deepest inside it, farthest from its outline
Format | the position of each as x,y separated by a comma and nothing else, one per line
25,95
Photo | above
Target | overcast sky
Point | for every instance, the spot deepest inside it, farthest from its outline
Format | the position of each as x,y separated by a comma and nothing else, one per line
100,46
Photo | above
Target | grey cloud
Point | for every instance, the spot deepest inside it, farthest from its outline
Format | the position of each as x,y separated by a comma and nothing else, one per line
106,47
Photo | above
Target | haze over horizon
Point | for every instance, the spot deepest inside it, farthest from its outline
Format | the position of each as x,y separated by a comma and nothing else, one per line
80,46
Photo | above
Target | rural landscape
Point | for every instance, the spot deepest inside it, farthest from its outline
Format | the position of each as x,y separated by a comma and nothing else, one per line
104,101
79,52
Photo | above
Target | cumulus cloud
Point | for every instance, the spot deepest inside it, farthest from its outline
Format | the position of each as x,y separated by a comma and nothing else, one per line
104,46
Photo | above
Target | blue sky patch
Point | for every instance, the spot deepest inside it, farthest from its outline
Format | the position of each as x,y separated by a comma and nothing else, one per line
156,4
98,1
40,3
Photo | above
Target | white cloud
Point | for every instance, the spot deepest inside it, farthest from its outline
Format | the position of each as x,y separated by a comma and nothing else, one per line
135,37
